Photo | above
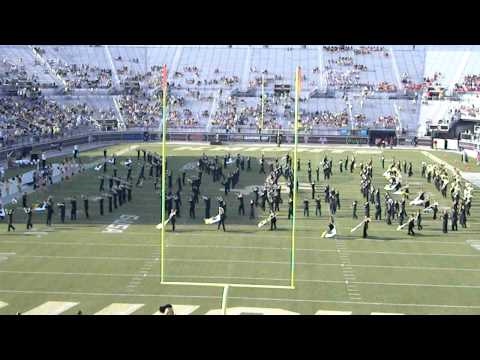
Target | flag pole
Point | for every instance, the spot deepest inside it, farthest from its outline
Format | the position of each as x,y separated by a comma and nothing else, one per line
164,162
295,176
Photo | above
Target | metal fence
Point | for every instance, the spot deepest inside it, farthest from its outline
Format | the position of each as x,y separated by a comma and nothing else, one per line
197,135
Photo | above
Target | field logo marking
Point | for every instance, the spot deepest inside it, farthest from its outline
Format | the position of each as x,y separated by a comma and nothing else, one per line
5,256
332,312
252,311
119,309
271,149
51,308
368,152
247,190
38,234
189,166
183,148
382,313
121,224
474,244
124,151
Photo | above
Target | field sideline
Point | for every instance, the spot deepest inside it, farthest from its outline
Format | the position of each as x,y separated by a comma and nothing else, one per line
79,266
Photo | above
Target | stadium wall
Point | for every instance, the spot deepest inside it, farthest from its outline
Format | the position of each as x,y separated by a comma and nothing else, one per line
140,135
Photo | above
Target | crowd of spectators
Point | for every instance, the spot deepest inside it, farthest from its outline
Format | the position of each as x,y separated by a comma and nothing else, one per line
325,119
146,80
77,76
470,111
191,96
191,77
344,72
366,50
386,122
409,85
384,86
225,114
341,60
343,80
236,113
16,76
40,118
361,50
186,109
338,48
140,110
360,67
82,76
433,80
471,83
360,120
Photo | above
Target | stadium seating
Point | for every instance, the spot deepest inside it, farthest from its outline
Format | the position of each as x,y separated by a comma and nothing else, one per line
218,88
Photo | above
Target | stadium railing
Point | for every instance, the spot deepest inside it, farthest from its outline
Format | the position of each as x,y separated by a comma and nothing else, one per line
140,135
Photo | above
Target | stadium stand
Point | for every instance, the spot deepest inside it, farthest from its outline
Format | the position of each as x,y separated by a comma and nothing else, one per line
50,91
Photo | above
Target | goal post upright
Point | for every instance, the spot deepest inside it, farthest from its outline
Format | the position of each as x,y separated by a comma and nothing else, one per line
164,168
295,175
226,286
262,104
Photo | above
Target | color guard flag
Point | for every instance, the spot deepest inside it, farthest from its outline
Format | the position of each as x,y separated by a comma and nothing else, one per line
298,80
164,77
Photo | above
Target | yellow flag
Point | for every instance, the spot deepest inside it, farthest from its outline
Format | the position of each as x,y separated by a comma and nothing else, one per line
298,82
298,87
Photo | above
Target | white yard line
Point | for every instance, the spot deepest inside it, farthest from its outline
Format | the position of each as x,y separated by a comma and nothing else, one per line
340,282
348,274
80,293
49,243
438,160
169,296
144,272
304,249
19,272
249,237
240,260
100,274
80,257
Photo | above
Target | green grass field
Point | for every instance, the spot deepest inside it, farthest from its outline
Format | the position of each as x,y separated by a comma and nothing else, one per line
390,272
455,159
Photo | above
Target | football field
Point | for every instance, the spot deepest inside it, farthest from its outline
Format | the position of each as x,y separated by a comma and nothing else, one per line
111,264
